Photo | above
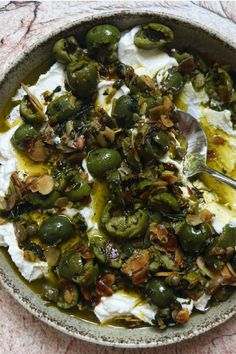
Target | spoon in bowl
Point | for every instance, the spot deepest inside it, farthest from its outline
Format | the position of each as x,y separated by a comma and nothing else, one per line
196,156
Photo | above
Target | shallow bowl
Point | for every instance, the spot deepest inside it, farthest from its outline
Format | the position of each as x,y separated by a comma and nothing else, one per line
187,36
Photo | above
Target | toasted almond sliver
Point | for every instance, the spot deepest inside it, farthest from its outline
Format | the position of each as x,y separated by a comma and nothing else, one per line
45,184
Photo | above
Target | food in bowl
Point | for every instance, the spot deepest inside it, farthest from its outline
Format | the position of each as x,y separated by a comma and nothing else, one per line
94,202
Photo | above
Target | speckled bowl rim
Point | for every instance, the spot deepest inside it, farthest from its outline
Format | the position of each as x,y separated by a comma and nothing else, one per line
8,283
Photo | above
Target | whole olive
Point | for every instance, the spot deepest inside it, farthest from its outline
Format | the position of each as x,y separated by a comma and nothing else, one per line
102,161
70,264
22,135
193,238
102,42
76,187
123,110
82,78
159,293
102,35
62,108
56,229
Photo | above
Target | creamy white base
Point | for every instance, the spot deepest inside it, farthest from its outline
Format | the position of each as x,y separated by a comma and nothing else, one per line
121,304
8,161
29,270
104,88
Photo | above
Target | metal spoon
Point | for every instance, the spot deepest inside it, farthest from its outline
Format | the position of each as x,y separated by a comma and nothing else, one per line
196,156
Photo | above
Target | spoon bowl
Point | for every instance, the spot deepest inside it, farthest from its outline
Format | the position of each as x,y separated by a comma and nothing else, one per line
195,160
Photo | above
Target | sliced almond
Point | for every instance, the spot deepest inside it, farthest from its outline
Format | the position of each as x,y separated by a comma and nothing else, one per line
45,184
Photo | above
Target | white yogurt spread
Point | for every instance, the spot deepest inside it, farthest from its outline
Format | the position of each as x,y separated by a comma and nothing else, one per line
104,89
194,100
8,161
144,62
29,270
53,78
121,304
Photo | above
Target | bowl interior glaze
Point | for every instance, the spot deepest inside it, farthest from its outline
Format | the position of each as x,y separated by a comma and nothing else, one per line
187,36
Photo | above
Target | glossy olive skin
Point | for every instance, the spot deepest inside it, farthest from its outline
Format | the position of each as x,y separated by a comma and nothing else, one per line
193,238
56,229
82,78
88,275
22,135
174,81
159,293
156,144
102,41
70,264
29,114
67,50
63,108
102,161
164,202
125,227
43,201
76,187
227,237
123,110
153,35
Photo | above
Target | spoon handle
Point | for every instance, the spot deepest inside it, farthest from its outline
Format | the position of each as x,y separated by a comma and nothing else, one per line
220,176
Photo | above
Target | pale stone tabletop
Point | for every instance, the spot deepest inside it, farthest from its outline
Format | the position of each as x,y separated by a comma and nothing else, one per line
21,24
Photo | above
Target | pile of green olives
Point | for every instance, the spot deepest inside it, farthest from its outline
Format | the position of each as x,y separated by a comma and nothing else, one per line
105,205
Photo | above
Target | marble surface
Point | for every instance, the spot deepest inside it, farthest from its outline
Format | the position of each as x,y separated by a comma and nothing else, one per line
21,24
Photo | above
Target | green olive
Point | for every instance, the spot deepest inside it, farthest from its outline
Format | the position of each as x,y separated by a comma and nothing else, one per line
102,42
68,296
70,264
76,187
82,78
174,81
43,201
30,114
156,144
123,110
67,50
105,251
88,275
56,229
102,161
194,238
63,108
227,237
126,226
153,35
164,202
23,135
159,293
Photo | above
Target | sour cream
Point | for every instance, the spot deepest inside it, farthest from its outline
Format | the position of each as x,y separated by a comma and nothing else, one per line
144,62
29,270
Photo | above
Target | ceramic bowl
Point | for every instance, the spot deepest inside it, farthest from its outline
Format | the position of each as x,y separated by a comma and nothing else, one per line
187,36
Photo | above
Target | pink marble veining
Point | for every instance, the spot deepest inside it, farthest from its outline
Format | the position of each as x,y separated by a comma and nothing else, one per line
21,24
